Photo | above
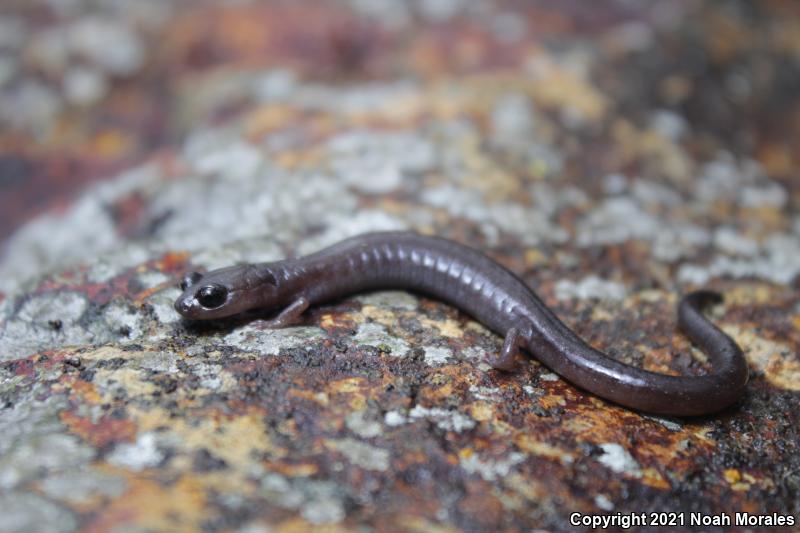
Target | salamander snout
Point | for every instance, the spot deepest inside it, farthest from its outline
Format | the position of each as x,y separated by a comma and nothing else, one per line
216,294
202,300
183,306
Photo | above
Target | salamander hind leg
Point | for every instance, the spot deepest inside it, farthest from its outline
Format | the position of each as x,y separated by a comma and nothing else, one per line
506,359
290,315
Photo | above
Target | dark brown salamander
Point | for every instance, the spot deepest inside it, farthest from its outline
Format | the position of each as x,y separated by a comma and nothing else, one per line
486,290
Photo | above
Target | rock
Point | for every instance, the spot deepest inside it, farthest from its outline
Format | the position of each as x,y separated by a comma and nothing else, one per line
379,412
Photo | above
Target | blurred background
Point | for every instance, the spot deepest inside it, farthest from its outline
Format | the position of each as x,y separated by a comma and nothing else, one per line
89,88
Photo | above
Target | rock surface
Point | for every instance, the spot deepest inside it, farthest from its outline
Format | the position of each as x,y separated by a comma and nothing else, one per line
613,157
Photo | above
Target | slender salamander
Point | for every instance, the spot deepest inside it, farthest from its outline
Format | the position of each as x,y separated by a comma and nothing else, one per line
487,291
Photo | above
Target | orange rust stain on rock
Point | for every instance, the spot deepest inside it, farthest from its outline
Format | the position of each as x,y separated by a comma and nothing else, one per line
87,392
348,385
231,437
112,144
300,525
777,159
481,505
540,448
299,35
107,430
653,478
777,360
172,262
669,448
294,470
267,118
752,294
331,322
419,524
414,457
770,218
552,400
319,398
440,393
481,411
446,327
732,475
657,447
149,505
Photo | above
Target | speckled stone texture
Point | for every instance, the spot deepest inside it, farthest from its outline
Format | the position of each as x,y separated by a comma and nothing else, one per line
613,154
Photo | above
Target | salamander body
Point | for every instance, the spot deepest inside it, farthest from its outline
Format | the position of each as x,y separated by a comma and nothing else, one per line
471,281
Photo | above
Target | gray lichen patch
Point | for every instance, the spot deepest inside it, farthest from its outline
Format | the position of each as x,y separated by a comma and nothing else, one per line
78,486
213,378
323,511
28,512
342,226
161,361
268,341
268,204
490,469
610,222
162,304
111,264
513,117
492,217
28,458
122,319
64,318
31,413
742,181
378,163
359,423
44,321
619,460
730,241
56,240
443,418
399,300
477,354
136,456
251,250
318,501
374,334
489,394
361,454
373,97
588,288
779,262
673,424
394,418
437,355
231,159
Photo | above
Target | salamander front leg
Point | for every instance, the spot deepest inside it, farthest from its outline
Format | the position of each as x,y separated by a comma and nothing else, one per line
508,355
290,315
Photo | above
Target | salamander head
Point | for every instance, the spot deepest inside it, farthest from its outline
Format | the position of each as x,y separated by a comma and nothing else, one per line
225,292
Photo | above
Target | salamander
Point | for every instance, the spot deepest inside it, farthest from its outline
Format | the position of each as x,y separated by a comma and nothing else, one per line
489,292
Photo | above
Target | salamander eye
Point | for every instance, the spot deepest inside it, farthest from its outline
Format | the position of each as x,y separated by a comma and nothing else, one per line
212,296
190,279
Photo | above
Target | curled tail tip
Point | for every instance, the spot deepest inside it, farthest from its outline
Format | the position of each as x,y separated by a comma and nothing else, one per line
703,297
